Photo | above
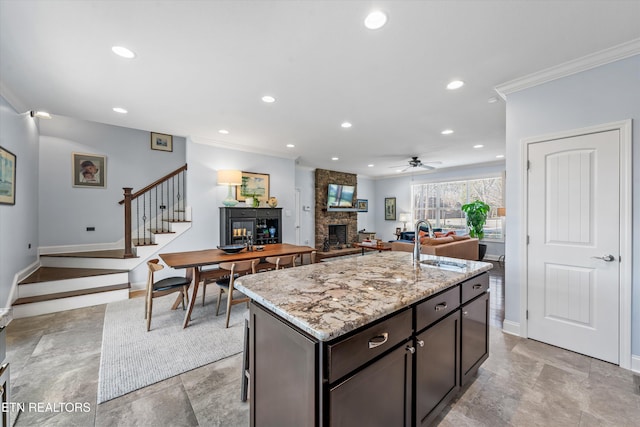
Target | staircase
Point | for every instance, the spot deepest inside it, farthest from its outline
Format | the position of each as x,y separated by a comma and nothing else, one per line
64,281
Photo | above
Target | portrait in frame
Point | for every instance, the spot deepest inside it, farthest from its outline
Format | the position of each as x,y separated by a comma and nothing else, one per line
7,177
390,208
254,185
89,170
162,142
362,205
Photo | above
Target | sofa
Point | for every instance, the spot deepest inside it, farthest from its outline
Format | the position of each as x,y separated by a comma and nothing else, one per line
446,246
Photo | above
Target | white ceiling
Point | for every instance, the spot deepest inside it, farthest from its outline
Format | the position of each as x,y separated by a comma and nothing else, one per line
202,66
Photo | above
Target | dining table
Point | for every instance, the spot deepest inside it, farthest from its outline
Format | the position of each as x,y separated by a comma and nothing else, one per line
193,261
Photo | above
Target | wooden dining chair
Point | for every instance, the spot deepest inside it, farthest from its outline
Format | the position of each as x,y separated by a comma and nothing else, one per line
162,287
282,261
235,270
211,276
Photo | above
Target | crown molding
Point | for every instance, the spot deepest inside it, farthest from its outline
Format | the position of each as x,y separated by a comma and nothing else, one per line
593,60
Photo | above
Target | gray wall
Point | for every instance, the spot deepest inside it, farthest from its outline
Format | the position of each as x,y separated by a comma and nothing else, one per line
65,211
605,94
19,222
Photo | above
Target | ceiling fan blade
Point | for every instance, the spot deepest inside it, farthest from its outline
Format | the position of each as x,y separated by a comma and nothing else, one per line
435,162
427,167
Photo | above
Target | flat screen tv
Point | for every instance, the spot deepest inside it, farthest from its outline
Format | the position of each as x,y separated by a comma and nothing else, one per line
340,196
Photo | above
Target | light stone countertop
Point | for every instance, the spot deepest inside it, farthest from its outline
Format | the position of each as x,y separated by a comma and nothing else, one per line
6,316
329,299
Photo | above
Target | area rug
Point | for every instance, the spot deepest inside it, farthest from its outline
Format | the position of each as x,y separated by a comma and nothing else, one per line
133,358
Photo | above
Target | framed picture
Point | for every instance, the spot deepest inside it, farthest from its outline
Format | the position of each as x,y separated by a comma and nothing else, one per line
89,170
390,208
254,185
362,205
162,142
7,177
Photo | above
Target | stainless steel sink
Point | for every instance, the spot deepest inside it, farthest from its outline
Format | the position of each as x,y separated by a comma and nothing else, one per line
446,265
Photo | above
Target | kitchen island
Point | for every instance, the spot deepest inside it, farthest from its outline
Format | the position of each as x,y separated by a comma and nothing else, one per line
369,340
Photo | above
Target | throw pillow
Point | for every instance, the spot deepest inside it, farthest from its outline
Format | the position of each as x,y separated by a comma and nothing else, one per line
456,237
435,241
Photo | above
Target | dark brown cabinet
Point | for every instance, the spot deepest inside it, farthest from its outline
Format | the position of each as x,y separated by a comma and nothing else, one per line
401,370
264,225
475,336
437,367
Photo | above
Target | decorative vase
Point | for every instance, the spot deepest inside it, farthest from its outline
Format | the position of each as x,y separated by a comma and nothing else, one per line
272,202
272,231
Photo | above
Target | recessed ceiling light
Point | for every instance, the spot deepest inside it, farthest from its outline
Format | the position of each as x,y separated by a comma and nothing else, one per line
492,100
447,132
290,146
500,156
478,146
223,131
335,158
123,52
455,84
268,99
375,20
120,110
399,170
370,165
346,125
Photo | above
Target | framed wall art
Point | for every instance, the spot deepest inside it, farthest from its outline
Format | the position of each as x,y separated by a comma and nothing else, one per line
7,177
89,170
390,208
162,142
254,185
362,205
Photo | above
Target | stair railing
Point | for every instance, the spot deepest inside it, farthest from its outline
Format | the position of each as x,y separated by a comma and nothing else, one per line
155,205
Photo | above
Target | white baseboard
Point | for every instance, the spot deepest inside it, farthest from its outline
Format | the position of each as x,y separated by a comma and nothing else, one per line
635,363
512,328
17,278
44,250
491,257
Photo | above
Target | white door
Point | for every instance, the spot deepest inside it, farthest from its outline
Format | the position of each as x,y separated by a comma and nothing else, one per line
573,253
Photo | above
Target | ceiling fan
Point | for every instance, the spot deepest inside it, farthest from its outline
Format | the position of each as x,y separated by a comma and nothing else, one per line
415,162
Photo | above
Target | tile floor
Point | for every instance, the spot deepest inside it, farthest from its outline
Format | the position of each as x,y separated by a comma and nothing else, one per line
55,359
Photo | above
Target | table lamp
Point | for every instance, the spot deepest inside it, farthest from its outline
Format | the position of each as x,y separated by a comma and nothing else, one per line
230,178
404,219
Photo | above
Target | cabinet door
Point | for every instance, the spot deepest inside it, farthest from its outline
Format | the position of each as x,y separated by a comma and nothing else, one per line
379,395
475,336
437,367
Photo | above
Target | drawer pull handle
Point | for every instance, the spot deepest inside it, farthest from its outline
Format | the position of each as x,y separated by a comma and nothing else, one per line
379,340
477,286
421,343
441,306
411,349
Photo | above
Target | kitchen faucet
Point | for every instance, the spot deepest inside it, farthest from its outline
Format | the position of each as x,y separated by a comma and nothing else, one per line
416,240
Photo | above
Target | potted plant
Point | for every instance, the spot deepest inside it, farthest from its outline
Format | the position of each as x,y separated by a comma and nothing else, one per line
477,212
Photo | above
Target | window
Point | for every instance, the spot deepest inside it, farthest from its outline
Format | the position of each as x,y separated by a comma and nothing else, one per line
440,203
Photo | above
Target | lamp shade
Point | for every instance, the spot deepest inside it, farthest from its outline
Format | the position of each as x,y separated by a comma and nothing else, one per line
405,217
229,177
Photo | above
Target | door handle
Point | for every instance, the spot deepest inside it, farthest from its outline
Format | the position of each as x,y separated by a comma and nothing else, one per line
606,258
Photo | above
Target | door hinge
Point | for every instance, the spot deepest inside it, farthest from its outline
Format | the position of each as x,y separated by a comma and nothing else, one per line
527,239
528,164
527,314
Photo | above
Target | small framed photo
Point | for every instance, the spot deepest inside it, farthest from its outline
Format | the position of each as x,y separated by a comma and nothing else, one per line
390,208
362,205
7,177
162,142
89,170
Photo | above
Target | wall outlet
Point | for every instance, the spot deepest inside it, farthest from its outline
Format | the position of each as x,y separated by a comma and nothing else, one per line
91,229
162,207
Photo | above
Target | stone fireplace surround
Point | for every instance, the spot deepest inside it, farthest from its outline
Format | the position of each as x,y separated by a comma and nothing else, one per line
323,218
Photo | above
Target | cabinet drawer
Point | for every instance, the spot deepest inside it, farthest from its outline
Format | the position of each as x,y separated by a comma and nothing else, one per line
272,213
242,213
347,355
474,287
437,307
